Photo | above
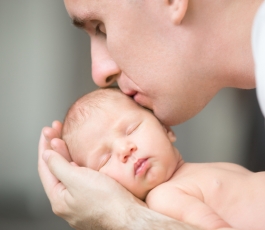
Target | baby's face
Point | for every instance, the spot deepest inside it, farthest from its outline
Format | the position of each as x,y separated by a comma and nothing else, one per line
128,144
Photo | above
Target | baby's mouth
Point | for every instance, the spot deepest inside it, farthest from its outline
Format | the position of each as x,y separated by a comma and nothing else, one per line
139,165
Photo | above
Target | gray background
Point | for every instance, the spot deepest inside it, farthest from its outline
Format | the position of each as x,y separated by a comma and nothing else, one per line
44,67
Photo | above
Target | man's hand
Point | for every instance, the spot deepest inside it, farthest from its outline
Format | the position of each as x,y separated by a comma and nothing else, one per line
85,198
49,136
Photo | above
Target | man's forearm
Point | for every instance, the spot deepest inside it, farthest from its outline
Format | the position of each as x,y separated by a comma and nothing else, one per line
138,218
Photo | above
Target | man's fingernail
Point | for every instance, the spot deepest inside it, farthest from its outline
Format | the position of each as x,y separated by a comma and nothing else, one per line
46,155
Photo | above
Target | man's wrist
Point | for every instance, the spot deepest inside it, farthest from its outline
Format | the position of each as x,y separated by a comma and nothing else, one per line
136,216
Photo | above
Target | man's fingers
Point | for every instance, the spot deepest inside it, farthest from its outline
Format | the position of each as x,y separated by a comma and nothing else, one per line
50,133
43,143
58,126
60,168
49,181
54,188
59,146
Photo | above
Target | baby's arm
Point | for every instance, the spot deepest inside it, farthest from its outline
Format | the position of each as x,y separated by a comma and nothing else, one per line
175,203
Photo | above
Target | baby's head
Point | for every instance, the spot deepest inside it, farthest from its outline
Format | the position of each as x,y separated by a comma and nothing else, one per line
107,131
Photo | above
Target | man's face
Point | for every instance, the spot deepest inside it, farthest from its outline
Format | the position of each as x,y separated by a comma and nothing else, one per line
128,144
136,44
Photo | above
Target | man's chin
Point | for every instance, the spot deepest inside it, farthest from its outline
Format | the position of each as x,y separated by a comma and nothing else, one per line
169,119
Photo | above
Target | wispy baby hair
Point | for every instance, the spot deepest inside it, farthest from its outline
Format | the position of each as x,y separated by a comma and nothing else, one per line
82,109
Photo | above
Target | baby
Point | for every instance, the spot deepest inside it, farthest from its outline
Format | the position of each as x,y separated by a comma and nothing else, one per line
107,131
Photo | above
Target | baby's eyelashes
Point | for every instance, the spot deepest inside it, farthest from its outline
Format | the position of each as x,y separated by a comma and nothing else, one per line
132,128
104,160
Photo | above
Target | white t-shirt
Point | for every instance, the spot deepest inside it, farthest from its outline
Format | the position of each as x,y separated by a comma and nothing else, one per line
258,47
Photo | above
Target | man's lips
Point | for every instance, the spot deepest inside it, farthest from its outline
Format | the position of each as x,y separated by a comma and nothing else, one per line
143,101
129,92
138,97
140,166
135,95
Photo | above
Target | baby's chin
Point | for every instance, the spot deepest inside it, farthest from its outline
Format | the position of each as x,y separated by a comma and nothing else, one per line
143,193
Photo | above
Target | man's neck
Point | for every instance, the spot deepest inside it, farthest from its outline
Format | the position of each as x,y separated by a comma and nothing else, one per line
239,58
226,26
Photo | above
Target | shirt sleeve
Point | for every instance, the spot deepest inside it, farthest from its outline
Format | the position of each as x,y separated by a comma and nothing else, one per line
258,48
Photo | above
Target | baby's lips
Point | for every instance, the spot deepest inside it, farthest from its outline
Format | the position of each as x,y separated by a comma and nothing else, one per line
138,165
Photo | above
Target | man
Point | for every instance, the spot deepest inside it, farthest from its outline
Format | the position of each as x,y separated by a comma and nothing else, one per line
171,56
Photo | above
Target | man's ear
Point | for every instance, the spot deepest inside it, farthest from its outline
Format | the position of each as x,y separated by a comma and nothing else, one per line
178,9
171,135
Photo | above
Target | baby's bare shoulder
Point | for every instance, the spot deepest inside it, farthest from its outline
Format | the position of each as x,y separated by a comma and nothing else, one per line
164,198
163,190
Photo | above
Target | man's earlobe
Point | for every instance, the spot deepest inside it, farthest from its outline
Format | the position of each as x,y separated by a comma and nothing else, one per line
178,9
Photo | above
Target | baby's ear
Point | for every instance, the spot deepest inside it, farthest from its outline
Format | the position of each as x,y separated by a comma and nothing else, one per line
170,133
177,9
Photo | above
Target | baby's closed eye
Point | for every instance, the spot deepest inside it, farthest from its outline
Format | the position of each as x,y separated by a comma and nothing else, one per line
132,128
104,160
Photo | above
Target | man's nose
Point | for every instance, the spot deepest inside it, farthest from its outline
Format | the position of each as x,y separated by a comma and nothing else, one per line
105,70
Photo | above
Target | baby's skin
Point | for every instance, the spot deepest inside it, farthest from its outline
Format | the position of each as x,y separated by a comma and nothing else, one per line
108,132
212,195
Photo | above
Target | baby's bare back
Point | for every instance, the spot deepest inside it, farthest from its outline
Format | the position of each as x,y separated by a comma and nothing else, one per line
236,194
